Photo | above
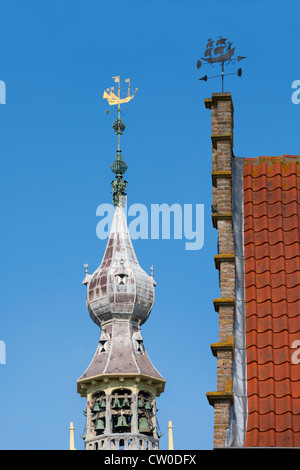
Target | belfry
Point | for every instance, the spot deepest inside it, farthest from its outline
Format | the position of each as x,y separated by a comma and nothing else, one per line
120,384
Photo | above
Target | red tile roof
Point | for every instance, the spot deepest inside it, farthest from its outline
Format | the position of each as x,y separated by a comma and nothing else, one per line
272,289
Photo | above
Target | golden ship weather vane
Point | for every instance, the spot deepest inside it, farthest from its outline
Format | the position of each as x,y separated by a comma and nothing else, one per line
115,99
118,167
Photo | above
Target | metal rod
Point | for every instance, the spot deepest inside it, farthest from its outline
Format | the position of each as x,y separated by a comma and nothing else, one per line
119,136
222,76
119,117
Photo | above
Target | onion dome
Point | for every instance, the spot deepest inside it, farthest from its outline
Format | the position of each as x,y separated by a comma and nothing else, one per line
119,289
120,296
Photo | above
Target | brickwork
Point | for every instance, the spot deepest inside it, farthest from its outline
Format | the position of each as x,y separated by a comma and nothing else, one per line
221,108
222,411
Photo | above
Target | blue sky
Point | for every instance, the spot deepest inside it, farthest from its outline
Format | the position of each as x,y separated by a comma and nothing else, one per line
56,148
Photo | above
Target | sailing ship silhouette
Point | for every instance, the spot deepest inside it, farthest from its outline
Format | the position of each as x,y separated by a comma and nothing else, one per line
218,51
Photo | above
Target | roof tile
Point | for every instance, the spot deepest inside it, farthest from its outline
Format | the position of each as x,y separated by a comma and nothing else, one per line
272,285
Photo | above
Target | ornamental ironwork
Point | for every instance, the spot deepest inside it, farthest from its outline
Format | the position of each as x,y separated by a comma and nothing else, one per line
118,167
220,52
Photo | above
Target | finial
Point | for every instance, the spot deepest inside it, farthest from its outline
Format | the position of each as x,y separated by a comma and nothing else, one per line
118,167
171,443
223,55
87,278
152,275
72,444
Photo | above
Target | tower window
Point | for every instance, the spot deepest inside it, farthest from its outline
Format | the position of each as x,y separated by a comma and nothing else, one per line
145,413
121,274
102,346
121,412
103,342
138,342
122,444
98,403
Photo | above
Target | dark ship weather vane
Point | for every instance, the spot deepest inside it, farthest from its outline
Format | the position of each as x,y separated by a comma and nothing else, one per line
221,53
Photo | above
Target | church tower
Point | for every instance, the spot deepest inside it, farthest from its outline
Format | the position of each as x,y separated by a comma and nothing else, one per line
120,384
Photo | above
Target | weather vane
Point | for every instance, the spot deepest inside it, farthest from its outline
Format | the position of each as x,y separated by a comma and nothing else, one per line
118,167
221,53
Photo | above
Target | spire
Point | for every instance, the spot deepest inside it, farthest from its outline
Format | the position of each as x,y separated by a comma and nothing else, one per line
121,383
118,291
72,443
171,444
87,275
118,167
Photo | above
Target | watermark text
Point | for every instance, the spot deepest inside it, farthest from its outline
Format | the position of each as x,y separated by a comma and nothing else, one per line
2,352
296,94
161,222
2,92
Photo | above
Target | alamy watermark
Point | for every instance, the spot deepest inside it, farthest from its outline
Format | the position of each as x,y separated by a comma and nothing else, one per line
2,101
2,92
296,354
296,94
162,221
2,352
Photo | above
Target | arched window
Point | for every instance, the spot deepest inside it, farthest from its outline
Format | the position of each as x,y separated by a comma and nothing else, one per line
145,413
121,410
98,407
121,444
98,402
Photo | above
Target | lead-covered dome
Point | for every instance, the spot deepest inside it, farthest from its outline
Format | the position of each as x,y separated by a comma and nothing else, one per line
119,288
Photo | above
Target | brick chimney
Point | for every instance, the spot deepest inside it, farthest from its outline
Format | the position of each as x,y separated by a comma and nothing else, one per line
221,107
